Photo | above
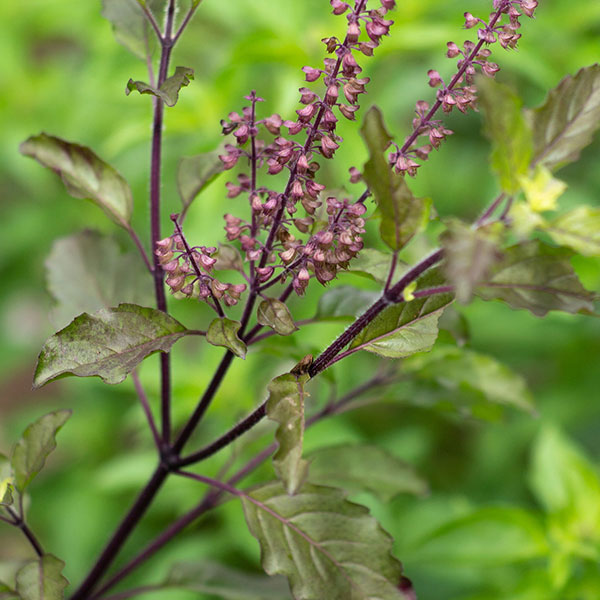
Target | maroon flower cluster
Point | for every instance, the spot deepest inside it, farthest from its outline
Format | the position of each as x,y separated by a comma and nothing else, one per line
460,92
331,248
188,271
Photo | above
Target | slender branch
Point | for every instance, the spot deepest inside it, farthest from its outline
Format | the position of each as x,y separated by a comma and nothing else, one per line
151,19
226,439
140,247
19,522
146,408
187,19
487,213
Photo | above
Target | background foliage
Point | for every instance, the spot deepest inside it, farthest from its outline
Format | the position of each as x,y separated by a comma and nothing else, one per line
510,508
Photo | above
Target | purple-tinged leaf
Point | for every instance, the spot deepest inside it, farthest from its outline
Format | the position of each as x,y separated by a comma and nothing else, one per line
538,277
168,92
38,441
325,545
567,120
109,344
223,332
84,175
285,406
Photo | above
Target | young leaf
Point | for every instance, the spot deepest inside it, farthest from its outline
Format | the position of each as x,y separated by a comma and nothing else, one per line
407,327
108,344
168,92
130,26
542,190
579,229
459,369
469,254
566,483
402,215
344,302
285,406
326,546
218,581
223,332
195,173
566,122
363,467
38,441
537,277
6,482
84,175
277,316
42,579
508,131
486,537
86,272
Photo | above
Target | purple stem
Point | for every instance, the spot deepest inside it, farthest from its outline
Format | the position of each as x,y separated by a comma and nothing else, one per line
146,408
19,522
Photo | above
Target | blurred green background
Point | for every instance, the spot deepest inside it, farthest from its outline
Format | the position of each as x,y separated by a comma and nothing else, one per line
63,73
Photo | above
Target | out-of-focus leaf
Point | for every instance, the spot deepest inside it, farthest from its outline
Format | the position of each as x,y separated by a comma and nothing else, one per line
326,546
194,173
108,344
130,26
469,254
7,593
407,327
459,368
402,215
223,332
42,579
84,175
486,537
228,259
456,325
537,277
225,583
86,272
168,92
579,229
285,406
277,316
345,302
38,441
566,483
508,131
375,265
567,120
542,190
363,467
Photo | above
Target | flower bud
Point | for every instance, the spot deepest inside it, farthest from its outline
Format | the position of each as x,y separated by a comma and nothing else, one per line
312,74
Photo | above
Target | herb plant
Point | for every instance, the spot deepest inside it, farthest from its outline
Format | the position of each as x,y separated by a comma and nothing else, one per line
285,232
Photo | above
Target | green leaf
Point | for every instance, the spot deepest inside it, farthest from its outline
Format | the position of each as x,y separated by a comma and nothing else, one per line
276,315
168,92
84,175
86,272
541,190
228,259
364,468
487,537
223,332
195,173
537,277
130,26
402,215
567,120
6,482
407,327
225,583
326,546
38,441
469,254
7,593
579,229
566,483
344,302
508,131
285,406
459,369
108,344
42,579
375,265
